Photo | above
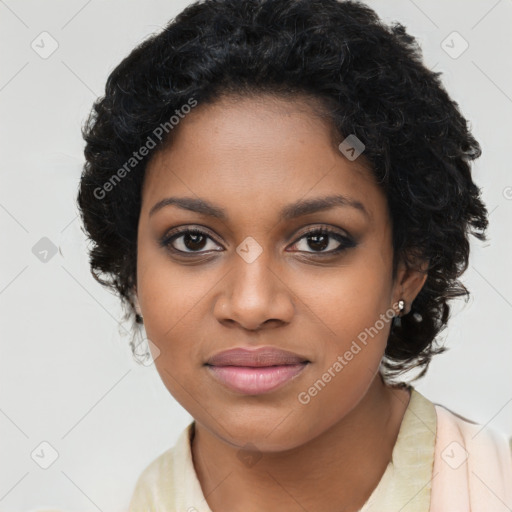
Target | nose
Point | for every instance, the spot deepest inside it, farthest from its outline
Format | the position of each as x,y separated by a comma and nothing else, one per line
254,296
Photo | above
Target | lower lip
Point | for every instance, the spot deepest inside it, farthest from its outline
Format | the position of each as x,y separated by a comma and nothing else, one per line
255,381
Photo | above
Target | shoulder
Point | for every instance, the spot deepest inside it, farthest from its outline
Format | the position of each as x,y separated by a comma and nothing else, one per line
170,482
473,434
161,484
452,427
474,459
154,485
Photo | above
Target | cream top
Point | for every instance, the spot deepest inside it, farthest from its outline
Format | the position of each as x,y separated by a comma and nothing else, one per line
170,482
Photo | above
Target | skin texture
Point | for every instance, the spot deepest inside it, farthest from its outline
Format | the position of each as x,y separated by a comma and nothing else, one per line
252,157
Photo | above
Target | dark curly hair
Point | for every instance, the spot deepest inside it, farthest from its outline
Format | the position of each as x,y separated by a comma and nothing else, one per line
368,77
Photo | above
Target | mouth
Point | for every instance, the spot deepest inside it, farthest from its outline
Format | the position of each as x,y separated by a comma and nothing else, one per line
255,371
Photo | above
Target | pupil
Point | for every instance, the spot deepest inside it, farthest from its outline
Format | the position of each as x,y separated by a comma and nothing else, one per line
315,239
195,241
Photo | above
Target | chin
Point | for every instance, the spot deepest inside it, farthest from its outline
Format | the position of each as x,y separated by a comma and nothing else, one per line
267,432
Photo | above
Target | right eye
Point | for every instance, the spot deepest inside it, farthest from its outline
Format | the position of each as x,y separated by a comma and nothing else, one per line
188,241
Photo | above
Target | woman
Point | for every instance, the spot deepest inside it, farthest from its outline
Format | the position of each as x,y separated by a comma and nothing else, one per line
280,191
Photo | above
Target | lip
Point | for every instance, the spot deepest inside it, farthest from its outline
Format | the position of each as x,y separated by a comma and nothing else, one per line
255,371
255,357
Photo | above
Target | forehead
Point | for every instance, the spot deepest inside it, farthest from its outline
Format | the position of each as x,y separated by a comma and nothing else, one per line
246,150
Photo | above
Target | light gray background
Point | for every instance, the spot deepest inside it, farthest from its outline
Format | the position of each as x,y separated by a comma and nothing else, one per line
67,375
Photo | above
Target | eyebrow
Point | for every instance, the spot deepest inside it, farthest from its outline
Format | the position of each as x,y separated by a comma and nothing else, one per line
289,212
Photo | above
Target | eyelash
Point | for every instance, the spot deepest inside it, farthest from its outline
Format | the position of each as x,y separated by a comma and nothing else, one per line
345,242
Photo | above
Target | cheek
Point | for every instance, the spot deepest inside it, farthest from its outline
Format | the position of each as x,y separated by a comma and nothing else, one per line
173,307
167,291
172,299
172,318
350,319
348,301
353,322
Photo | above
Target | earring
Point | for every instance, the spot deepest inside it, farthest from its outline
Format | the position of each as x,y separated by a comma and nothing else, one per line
417,317
397,321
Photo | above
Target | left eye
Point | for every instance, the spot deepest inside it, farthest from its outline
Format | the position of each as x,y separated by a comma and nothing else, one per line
321,239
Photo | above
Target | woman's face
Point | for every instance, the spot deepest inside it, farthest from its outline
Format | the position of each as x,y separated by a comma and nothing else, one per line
254,277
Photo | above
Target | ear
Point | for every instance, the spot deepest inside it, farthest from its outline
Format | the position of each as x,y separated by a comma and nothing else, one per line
409,281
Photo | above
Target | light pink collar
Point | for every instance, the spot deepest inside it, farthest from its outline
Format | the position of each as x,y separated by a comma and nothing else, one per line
472,467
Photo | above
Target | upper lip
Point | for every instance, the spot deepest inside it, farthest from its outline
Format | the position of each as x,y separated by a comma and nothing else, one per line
262,356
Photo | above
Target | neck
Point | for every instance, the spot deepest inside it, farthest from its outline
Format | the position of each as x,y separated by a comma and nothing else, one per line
343,465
